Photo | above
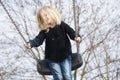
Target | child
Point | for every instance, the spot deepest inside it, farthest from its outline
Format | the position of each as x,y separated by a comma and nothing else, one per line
57,44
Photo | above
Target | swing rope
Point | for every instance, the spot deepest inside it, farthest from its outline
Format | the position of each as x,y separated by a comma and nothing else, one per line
76,19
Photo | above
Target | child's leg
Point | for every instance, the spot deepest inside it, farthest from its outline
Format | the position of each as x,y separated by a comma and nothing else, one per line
66,68
56,70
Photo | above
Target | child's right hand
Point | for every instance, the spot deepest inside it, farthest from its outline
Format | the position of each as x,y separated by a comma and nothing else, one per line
27,45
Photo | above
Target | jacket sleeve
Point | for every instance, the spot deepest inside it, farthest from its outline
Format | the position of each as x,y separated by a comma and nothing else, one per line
38,40
70,31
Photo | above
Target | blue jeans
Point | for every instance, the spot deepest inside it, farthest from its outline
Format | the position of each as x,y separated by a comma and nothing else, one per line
61,70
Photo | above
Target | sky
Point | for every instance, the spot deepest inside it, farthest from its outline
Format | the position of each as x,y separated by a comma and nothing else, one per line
12,56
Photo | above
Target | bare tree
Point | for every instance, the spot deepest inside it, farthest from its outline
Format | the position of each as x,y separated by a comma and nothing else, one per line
97,22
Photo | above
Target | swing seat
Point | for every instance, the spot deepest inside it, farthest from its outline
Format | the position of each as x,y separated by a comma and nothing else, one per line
43,67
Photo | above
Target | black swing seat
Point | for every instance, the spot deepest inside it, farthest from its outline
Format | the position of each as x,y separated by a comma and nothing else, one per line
43,67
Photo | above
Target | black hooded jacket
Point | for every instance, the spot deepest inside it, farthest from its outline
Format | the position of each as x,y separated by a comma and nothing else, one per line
57,43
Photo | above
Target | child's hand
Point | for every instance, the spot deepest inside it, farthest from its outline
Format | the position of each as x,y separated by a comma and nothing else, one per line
77,39
27,45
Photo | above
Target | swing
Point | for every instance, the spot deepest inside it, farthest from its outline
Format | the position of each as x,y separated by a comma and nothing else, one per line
43,67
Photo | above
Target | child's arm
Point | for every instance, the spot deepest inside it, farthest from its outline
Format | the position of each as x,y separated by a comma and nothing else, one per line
37,41
71,33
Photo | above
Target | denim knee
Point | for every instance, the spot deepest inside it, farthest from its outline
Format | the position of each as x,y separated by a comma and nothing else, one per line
56,70
66,69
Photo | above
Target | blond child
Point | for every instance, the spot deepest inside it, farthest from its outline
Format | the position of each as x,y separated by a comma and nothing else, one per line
55,32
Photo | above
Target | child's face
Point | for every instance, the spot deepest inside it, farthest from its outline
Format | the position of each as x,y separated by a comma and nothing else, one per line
47,18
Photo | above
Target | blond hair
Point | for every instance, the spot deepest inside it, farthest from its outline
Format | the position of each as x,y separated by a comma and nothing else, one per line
55,15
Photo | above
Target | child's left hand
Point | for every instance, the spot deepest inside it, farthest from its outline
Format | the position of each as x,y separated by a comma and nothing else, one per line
77,39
